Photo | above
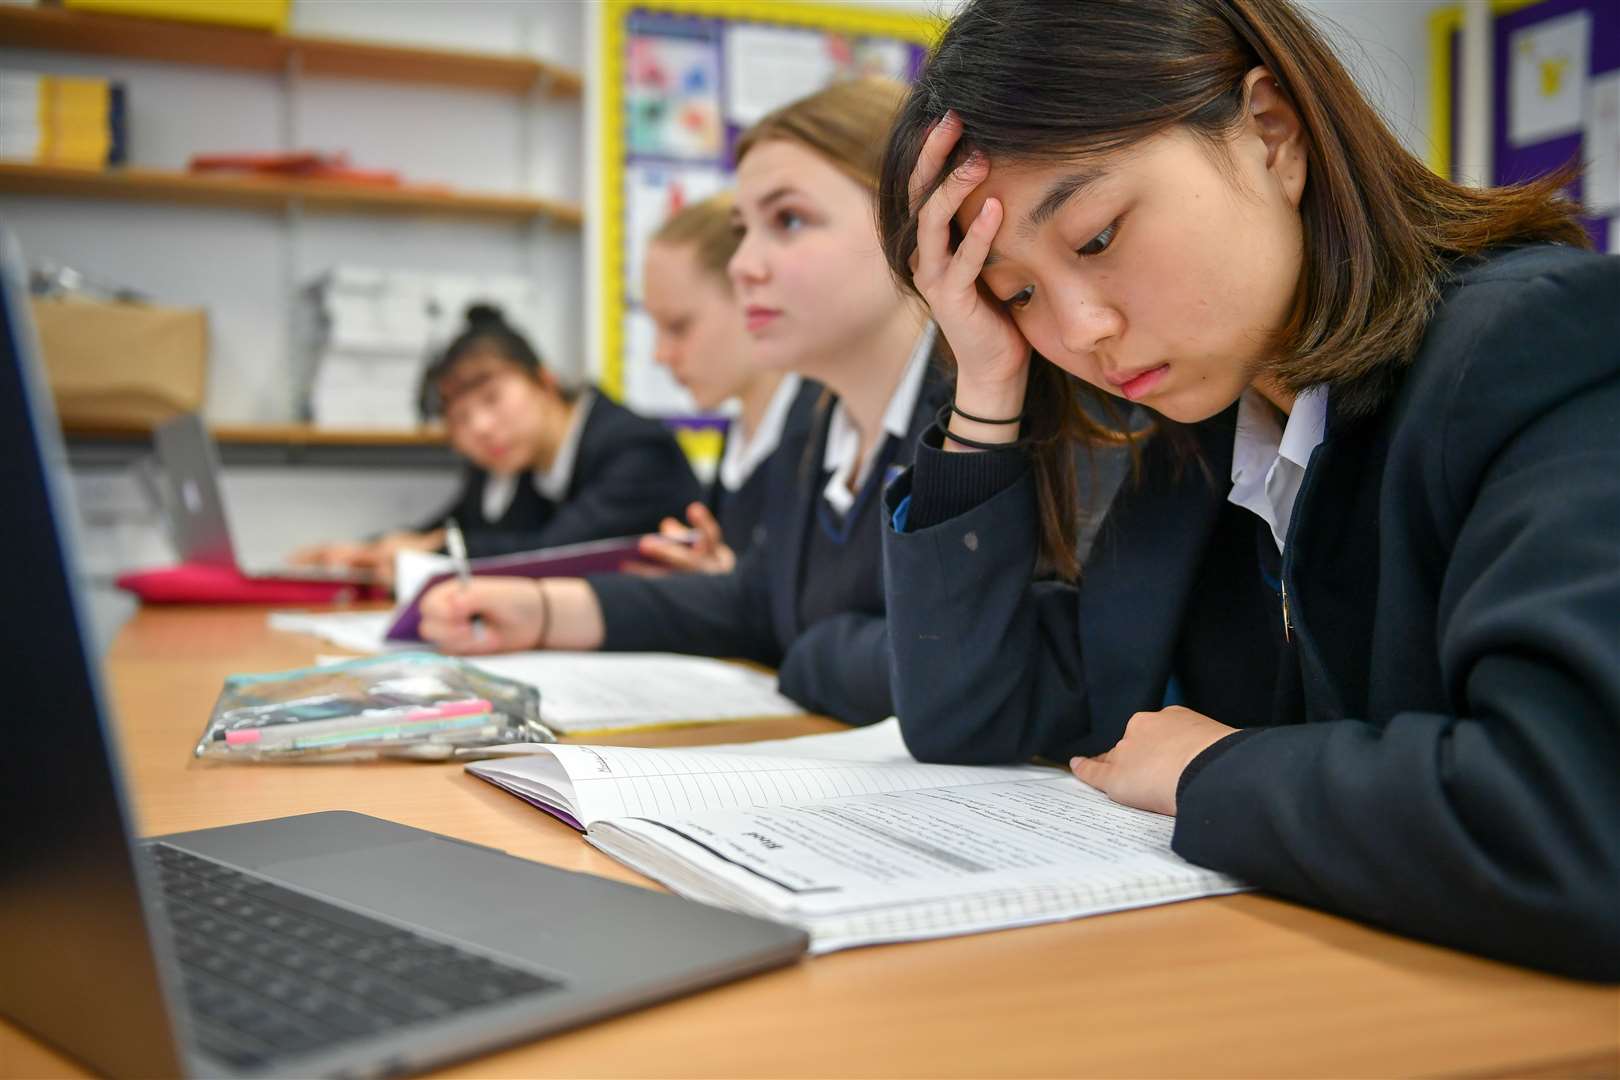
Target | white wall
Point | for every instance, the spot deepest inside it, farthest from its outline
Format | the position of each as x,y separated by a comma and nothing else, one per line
245,266
1385,43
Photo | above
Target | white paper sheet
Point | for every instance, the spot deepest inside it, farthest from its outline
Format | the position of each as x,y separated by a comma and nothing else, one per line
597,782
1601,149
590,691
767,66
360,631
412,569
919,863
875,744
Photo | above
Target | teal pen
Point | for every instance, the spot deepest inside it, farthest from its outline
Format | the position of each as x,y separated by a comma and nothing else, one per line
388,732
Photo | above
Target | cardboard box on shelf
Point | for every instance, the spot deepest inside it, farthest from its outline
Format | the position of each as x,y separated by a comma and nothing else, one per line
122,365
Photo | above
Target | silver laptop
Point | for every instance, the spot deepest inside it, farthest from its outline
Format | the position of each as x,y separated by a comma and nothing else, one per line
188,465
325,944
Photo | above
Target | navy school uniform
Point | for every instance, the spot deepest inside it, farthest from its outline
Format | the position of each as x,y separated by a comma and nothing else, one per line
628,474
741,511
809,601
1433,742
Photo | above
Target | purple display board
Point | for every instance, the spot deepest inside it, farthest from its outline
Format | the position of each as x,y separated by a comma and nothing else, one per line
1516,163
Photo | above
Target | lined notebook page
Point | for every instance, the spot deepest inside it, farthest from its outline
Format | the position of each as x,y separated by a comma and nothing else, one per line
919,863
612,781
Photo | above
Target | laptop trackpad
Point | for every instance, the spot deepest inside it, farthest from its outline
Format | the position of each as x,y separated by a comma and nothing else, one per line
468,892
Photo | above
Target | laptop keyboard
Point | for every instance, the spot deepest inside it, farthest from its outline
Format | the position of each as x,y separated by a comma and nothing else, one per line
270,973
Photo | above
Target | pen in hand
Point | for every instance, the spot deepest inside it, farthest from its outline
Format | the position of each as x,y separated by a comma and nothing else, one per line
457,547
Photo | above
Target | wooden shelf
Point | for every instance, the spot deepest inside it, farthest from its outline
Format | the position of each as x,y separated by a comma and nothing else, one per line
308,435
253,50
155,185
293,435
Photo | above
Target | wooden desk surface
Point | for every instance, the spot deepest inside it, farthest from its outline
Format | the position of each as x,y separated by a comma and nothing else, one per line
1228,986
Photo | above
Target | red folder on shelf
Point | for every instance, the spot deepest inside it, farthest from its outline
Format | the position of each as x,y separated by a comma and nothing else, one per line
298,164
192,583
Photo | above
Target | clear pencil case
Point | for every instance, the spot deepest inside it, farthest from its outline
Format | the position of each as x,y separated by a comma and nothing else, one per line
415,705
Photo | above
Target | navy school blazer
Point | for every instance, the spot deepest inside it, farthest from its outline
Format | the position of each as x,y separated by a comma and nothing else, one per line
629,475
1453,569
741,513
840,664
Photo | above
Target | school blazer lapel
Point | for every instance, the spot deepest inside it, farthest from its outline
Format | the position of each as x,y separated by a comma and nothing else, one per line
801,468
1331,567
1134,588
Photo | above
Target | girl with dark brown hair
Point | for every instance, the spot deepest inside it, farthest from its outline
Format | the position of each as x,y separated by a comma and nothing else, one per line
1355,619
817,299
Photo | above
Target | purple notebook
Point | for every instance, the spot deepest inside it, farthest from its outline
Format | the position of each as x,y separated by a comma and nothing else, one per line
571,560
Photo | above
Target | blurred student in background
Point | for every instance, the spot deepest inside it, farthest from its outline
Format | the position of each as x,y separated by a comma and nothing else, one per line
818,300
545,466
701,338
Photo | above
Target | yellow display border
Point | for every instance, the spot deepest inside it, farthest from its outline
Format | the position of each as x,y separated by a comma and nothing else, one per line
1443,23
921,30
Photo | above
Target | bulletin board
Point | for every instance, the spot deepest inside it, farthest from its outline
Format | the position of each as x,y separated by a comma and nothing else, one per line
1555,98
681,80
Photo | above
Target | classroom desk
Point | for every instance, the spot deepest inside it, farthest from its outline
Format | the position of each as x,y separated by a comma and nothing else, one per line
1228,986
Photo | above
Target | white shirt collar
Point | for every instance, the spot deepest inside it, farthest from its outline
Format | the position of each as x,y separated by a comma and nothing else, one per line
844,441
745,450
553,482
1269,458
500,488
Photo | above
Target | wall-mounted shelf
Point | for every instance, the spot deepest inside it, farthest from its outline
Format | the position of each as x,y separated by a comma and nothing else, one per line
252,50
272,445
275,193
276,434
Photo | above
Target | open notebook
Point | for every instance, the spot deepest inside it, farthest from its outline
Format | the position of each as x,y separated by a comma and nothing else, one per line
850,838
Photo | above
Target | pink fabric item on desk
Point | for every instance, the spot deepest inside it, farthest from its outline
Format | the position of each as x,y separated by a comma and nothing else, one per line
189,583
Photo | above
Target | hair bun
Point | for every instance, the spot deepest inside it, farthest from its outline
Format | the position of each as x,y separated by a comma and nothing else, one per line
480,315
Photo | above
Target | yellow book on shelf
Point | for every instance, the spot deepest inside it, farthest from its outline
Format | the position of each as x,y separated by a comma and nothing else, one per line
79,121
259,14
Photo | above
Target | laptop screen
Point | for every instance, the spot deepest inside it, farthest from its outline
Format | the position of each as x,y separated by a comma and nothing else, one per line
79,967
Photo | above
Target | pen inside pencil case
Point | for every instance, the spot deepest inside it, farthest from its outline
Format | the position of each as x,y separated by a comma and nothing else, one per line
423,731
406,718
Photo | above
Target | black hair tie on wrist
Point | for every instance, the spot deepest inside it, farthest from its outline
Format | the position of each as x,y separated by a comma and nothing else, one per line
1019,419
942,422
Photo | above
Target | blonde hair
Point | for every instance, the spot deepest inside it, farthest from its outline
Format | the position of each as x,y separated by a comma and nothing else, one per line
707,228
847,123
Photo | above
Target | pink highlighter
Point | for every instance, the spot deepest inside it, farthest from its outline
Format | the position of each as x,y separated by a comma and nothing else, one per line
281,734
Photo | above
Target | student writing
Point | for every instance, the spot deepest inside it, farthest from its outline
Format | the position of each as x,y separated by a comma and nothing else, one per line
818,300
1356,620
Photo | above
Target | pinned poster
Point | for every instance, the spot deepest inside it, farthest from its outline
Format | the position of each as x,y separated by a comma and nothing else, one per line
1547,84
769,66
653,193
1601,148
674,98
